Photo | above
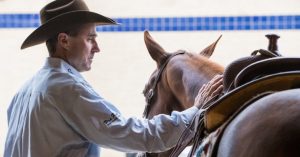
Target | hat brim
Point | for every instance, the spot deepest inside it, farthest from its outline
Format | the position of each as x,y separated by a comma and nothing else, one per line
225,106
62,23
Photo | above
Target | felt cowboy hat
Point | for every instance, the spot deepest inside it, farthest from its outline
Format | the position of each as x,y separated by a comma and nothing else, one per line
59,15
255,80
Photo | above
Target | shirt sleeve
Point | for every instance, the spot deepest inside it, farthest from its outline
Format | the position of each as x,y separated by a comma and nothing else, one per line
100,122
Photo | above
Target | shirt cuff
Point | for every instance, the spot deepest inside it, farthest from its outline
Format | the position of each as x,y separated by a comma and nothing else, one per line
189,114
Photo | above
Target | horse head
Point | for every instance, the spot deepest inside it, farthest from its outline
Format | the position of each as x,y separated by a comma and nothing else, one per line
177,79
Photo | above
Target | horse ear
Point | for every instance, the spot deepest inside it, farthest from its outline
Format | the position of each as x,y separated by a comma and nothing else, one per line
208,51
156,52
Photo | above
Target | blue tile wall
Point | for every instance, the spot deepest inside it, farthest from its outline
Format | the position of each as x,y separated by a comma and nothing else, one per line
173,23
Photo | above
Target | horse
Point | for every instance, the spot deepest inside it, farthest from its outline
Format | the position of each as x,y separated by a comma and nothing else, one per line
269,127
257,118
175,82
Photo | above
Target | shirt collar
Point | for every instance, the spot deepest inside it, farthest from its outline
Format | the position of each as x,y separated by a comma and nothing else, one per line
53,62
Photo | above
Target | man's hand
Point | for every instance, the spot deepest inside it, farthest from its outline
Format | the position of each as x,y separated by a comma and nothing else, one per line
209,90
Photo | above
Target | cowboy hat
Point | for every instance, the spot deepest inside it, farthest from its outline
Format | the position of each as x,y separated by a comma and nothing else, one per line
59,16
279,74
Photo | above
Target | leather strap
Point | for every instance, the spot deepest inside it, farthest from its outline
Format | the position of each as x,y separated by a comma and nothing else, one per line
152,90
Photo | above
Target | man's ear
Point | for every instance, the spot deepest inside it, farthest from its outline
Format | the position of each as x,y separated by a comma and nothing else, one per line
63,40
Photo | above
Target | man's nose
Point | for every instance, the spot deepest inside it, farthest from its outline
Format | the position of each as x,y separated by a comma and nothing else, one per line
96,48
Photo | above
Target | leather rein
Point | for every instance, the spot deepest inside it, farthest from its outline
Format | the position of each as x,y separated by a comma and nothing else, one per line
152,90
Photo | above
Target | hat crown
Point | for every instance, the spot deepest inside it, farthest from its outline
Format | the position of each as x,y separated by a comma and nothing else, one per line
59,7
61,15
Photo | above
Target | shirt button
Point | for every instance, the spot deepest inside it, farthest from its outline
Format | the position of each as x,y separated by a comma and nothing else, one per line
69,70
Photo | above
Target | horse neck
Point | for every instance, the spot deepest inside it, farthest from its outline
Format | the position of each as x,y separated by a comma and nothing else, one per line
190,78
190,88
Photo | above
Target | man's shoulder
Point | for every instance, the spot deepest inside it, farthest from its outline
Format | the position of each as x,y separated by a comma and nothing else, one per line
61,76
52,81
62,79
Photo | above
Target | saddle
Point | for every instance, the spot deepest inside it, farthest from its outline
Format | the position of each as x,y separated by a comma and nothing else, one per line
267,75
245,80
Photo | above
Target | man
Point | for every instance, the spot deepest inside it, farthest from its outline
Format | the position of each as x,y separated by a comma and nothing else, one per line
57,113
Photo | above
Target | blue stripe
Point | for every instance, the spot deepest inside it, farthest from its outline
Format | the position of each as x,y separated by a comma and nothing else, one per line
173,23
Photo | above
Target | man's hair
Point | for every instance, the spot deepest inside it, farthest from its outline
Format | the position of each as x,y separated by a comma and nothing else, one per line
51,43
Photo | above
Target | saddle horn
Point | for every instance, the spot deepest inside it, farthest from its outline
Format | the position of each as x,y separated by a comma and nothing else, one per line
273,43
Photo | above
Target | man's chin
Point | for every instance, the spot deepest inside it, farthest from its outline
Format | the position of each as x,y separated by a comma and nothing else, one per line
85,69
88,68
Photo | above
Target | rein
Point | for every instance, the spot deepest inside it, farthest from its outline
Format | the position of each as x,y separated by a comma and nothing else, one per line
152,90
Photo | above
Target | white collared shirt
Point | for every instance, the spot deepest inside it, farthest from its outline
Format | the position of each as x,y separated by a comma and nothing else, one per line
57,113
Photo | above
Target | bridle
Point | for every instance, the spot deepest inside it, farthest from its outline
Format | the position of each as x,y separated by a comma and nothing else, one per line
152,90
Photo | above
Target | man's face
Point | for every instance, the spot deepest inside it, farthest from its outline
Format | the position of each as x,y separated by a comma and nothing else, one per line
83,47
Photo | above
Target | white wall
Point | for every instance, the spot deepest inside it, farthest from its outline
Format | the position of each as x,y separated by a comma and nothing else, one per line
137,8
123,66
